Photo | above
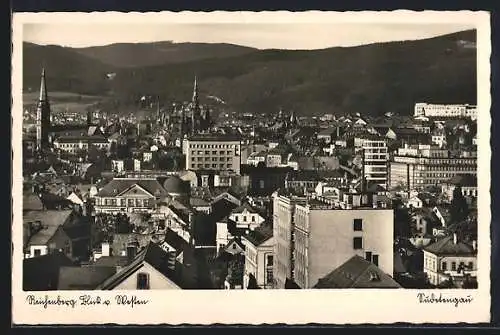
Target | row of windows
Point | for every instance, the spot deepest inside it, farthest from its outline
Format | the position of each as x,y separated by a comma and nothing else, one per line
236,218
214,152
208,166
213,159
125,202
444,266
213,146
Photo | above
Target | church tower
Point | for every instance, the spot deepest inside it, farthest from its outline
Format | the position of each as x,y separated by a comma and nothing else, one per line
195,109
43,116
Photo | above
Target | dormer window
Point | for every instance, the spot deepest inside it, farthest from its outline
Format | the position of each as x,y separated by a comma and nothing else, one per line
142,281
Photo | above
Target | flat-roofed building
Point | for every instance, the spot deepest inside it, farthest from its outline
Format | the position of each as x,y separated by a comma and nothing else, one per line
214,152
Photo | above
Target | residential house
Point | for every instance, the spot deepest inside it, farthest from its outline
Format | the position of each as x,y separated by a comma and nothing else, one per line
259,255
87,277
42,273
450,260
152,269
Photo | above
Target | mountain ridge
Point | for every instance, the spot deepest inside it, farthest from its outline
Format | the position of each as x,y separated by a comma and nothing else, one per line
373,78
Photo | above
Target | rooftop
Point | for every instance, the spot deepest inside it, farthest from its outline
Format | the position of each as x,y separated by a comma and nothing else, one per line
260,234
357,273
446,246
83,278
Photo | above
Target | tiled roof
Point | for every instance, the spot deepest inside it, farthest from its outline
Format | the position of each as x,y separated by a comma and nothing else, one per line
357,273
242,208
31,202
175,241
51,220
83,278
121,184
260,234
446,246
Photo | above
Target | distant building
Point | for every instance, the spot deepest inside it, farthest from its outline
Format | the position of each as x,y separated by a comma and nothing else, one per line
375,157
445,110
424,165
75,144
215,152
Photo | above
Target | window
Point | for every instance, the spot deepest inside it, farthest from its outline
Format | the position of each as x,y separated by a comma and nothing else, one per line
375,259
142,281
38,252
368,256
234,246
244,219
444,266
453,266
358,224
470,266
253,218
269,260
236,218
358,243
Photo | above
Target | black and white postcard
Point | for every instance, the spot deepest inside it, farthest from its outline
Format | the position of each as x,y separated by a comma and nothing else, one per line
307,167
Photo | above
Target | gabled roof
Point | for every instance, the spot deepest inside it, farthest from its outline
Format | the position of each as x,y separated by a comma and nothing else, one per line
155,256
118,185
446,246
83,278
31,202
175,241
357,273
243,207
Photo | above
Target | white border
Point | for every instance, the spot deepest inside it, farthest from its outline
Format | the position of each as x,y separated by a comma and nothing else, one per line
266,306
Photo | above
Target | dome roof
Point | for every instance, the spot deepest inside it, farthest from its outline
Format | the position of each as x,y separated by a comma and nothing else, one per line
175,185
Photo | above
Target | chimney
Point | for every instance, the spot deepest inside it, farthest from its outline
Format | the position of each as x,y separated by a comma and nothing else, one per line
105,250
131,252
455,238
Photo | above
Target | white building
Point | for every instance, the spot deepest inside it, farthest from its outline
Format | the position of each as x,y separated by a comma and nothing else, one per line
449,258
445,110
218,152
259,255
375,161
324,236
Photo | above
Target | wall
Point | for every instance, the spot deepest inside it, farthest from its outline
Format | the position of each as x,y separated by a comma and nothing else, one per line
157,281
327,235
433,267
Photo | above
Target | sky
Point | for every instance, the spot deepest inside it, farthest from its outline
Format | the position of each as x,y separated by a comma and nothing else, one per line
304,36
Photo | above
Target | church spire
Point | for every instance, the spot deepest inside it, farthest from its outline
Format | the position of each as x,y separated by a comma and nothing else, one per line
43,116
43,88
195,90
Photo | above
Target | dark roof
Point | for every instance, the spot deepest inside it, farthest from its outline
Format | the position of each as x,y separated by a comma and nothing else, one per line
221,208
218,137
155,256
303,175
77,231
243,207
446,246
121,184
42,273
31,202
83,278
260,234
174,184
466,180
108,261
175,241
357,273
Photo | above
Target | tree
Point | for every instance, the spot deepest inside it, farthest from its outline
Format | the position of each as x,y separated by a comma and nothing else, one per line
459,208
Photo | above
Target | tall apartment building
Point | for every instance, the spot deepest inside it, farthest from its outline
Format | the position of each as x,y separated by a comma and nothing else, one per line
213,152
375,159
419,166
314,238
445,110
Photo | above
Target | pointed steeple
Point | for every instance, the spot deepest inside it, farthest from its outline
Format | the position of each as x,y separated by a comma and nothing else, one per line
43,115
195,90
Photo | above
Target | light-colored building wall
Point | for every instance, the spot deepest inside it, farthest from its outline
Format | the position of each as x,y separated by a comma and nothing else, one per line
438,273
375,156
220,155
157,281
324,240
259,261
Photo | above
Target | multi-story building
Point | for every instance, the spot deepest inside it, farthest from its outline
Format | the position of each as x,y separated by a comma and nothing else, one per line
424,165
214,152
323,236
283,222
446,110
75,144
375,159
450,259
259,255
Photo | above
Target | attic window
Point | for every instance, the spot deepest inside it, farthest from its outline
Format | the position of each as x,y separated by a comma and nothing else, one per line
142,281
374,276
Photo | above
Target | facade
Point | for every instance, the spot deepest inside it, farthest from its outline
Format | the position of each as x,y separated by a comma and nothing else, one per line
421,166
375,157
259,256
450,259
217,152
75,144
129,195
445,110
325,238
